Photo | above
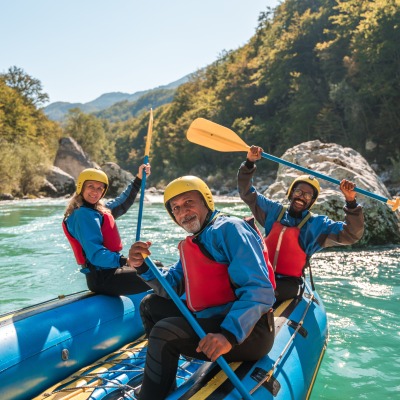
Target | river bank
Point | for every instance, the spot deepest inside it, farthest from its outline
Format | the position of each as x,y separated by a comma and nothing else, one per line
152,196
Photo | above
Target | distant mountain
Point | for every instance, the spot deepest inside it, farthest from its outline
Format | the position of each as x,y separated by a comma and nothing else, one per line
59,109
123,110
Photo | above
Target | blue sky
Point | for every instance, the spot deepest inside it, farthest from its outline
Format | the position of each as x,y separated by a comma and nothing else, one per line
80,49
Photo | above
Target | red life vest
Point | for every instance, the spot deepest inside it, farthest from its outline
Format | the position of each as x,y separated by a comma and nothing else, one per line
111,238
271,274
292,260
207,281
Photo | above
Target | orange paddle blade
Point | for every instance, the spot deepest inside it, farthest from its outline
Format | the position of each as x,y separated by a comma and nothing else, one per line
214,136
395,203
149,134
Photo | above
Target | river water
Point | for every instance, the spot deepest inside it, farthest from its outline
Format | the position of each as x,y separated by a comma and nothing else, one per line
360,289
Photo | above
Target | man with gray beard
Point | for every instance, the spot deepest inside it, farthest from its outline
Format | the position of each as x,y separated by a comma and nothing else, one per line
224,274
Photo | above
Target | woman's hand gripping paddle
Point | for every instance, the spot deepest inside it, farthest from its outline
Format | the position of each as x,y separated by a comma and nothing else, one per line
217,137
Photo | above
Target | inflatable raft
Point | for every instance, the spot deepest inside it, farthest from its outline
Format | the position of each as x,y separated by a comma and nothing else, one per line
87,346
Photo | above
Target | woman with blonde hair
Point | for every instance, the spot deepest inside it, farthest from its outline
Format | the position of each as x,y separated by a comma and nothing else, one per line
90,227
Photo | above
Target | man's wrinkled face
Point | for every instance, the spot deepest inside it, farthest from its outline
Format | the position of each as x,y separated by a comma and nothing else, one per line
301,197
189,210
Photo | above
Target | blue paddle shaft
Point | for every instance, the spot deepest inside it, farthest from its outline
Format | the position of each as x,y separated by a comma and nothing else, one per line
322,176
142,187
197,328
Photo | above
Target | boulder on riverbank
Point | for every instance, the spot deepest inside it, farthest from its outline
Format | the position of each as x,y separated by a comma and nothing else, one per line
382,225
58,183
71,158
70,161
118,178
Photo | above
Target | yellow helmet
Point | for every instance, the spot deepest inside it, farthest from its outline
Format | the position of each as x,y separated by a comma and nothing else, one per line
311,180
91,174
187,184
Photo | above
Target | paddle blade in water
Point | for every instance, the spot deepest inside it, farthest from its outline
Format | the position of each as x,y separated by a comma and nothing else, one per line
214,136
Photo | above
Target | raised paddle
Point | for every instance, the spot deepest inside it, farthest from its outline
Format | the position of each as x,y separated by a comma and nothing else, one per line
145,161
196,327
217,137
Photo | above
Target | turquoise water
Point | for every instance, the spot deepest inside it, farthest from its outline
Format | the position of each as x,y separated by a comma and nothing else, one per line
360,289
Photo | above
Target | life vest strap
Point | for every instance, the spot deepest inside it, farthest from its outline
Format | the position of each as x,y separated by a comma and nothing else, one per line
278,247
302,222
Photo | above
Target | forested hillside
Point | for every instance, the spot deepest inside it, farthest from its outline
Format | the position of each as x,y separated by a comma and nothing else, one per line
322,69
28,140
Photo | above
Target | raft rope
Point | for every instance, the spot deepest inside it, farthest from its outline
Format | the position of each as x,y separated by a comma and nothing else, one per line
99,380
299,326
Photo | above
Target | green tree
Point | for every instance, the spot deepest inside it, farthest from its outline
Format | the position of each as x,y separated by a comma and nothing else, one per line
16,119
28,87
91,133
28,141
9,177
362,59
374,71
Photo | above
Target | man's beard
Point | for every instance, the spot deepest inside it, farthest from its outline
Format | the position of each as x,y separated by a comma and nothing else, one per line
190,224
296,213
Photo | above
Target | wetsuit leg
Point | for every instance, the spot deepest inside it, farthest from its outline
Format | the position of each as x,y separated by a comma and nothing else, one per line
153,308
115,281
173,336
287,287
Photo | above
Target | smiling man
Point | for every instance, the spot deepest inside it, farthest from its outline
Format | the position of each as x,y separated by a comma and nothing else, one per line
225,276
294,234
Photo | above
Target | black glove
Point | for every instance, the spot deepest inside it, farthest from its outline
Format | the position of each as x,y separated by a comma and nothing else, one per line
123,261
